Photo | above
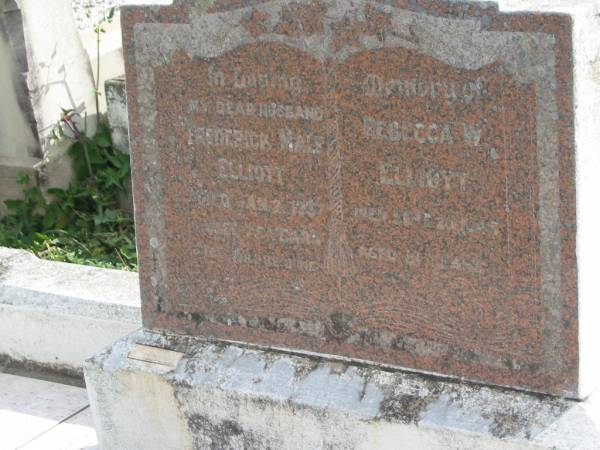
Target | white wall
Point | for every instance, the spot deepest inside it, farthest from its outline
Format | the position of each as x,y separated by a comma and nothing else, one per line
16,138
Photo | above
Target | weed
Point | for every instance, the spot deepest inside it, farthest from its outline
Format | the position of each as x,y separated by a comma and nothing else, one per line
84,223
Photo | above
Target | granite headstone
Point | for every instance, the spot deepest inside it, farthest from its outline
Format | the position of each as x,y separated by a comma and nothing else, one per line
384,181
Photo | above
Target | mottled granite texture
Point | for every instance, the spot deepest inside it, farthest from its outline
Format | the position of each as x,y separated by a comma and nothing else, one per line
391,182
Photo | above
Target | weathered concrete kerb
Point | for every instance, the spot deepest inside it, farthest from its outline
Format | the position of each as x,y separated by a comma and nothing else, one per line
54,315
174,392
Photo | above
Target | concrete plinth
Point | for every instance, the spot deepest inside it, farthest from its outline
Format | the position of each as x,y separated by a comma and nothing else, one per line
173,392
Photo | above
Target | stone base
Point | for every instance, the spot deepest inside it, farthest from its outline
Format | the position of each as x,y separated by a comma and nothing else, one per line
174,392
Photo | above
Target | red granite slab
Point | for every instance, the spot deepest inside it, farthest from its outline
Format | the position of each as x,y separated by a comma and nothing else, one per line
356,182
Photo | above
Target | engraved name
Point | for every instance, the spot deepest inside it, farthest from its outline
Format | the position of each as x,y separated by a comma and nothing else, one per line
427,178
229,170
420,133
294,142
230,137
290,141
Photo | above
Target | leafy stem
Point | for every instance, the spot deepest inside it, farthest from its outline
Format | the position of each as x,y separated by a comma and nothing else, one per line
99,28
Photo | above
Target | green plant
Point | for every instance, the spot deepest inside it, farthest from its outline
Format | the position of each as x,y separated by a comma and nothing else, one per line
83,223
99,28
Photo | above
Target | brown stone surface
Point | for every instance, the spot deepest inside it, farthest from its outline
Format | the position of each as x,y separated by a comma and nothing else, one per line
388,183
